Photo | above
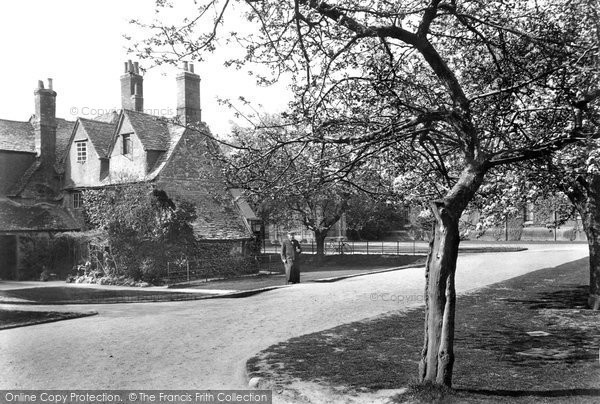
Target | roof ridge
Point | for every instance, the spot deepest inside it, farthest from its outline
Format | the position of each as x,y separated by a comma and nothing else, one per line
95,121
11,120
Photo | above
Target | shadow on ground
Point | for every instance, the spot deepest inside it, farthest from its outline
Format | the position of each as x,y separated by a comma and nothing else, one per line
525,340
530,393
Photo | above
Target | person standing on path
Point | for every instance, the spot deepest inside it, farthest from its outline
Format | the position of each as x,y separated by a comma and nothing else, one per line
290,255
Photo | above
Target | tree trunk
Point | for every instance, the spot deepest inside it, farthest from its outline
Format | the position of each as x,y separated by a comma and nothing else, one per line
437,356
586,198
594,246
320,241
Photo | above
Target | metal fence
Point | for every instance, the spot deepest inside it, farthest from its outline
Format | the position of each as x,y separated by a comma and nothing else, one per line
270,261
341,247
207,269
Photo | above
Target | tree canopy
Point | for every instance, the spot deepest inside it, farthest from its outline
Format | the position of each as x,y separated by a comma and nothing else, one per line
448,91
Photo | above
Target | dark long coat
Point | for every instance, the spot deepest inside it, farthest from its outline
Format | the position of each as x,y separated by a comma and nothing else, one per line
290,255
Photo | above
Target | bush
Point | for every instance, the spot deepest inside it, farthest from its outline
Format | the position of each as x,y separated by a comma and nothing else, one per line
43,255
143,227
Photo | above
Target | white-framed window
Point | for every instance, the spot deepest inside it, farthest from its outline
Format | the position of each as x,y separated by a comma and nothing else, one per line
81,148
127,144
77,200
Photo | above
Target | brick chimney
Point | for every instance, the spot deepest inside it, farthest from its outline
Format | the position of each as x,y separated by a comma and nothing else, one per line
188,95
132,87
44,123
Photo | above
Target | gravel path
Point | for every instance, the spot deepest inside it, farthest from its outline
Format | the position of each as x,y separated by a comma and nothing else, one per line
205,344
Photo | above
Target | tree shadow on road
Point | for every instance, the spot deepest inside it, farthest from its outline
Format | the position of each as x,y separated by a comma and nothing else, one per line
571,297
534,393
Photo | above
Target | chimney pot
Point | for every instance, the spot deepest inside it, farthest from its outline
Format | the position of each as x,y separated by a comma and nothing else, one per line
49,83
126,66
40,84
129,66
191,68
185,66
136,67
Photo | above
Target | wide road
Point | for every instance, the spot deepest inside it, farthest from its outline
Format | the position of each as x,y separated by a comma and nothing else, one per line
205,344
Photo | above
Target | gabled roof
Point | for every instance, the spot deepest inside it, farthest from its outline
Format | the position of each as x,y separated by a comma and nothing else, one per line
109,117
99,133
193,170
64,129
17,136
152,131
17,218
175,132
20,136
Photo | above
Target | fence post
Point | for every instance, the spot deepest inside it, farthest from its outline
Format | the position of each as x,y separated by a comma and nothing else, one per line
367,247
555,224
397,247
382,252
188,270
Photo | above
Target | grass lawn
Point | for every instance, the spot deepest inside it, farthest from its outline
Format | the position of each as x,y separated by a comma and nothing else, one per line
332,266
496,359
20,318
86,295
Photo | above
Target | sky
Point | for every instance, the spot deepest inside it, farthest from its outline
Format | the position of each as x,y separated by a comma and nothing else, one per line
80,45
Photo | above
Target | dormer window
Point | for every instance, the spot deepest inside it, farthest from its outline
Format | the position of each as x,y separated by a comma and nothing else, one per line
81,147
127,144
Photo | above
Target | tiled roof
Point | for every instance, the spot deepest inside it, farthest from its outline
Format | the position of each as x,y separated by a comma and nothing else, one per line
175,132
64,129
153,131
218,219
24,180
20,136
109,117
17,136
194,173
100,134
15,218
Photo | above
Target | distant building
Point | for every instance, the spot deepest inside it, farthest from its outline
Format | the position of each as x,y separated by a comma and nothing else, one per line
46,163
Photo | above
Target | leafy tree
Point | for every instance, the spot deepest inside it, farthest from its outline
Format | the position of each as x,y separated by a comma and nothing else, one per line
449,91
144,228
296,180
372,218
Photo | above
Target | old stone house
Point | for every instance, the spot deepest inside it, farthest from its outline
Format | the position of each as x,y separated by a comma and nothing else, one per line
46,163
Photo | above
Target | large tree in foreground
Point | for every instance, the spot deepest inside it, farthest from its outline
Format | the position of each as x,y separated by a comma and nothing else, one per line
453,89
